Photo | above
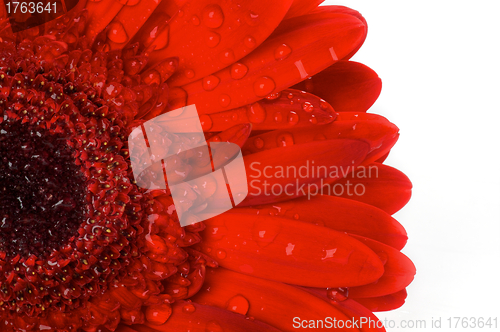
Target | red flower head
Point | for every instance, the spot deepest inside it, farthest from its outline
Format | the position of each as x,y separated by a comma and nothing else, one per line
85,247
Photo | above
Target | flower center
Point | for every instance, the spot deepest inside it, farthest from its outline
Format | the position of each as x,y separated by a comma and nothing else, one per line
42,191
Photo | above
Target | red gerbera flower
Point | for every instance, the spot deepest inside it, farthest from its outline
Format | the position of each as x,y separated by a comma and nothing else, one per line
83,247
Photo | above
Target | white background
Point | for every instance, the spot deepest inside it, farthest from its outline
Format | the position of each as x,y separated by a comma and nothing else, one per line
439,64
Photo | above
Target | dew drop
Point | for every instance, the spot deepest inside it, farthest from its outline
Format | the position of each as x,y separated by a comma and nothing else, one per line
221,254
189,73
252,18
307,107
264,233
273,96
296,216
195,20
238,71
338,294
234,116
189,308
213,326
263,86
293,118
259,143
227,56
323,104
238,304
224,100
210,82
282,52
313,119
216,233
285,139
180,13
212,16
213,39
116,33
290,95
249,42
278,117
256,113
206,122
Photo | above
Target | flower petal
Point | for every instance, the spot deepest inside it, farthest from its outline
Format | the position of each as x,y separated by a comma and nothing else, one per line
348,86
207,37
302,7
366,319
301,48
390,190
384,303
271,302
265,169
340,214
289,251
399,271
288,109
374,129
194,317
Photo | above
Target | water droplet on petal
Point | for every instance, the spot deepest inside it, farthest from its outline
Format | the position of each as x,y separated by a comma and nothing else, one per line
338,294
278,117
195,20
256,113
212,16
259,143
250,42
293,118
189,73
180,13
313,119
234,116
290,95
227,56
323,104
210,82
189,308
206,122
216,233
213,326
221,254
282,52
296,216
263,86
307,107
274,96
116,33
213,39
264,233
285,139
238,71
238,304
224,100
252,18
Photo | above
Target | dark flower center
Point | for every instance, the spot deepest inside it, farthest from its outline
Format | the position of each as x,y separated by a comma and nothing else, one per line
42,191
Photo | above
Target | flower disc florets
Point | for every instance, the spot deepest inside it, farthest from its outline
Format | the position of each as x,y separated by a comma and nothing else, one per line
78,246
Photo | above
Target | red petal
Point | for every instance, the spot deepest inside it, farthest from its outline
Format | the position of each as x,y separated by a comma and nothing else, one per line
374,129
271,302
348,11
128,21
194,317
100,14
301,48
347,86
267,187
399,271
390,190
340,214
302,7
289,251
366,320
207,37
288,109
384,303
